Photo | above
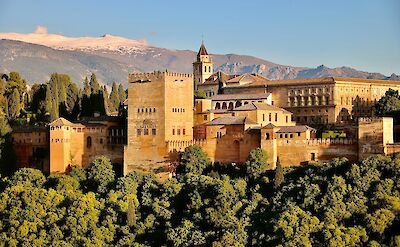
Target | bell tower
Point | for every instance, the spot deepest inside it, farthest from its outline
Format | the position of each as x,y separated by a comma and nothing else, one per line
203,66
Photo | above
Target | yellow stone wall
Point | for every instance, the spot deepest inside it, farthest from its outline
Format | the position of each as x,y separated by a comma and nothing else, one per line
168,98
328,101
69,145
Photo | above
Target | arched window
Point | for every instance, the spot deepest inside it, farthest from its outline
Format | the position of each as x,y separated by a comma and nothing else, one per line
218,106
89,142
238,104
224,105
266,136
230,105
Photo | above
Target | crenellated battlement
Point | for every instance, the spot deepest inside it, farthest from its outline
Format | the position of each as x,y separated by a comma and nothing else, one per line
370,119
155,75
313,142
181,145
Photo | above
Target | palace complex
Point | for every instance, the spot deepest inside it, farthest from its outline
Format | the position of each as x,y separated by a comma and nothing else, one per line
240,113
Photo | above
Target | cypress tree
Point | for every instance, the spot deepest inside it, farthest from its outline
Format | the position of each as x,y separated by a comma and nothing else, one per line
86,87
131,214
114,97
121,93
14,104
279,178
54,111
49,99
106,100
94,84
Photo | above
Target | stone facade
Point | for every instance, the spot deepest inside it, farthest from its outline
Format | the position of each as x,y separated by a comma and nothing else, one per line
160,109
202,67
328,100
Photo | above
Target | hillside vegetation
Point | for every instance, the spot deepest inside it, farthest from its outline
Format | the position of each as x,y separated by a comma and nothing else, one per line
335,204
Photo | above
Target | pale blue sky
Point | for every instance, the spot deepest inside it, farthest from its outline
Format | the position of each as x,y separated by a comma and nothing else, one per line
364,34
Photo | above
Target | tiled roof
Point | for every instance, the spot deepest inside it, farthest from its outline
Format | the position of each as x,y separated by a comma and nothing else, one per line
294,129
25,129
61,122
251,78
216,111
316,80
234,120
218,77
259,106
202,50
289,129
254,96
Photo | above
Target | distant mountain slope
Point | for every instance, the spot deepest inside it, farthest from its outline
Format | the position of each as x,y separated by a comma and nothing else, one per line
112,58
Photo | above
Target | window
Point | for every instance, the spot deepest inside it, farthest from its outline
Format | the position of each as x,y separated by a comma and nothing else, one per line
154,109
179,132
138,132
270,117
298,133
173,132
313,156
291,135
263,117
183,132
280,136
287,119
276,117
89,142
146,132
205,117
101,140
266,136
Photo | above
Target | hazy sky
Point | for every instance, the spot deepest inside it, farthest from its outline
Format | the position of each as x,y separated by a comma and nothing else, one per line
364,34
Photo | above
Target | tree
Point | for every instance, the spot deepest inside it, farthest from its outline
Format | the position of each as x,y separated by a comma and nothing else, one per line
200,94
86,87
94,84
121,93
54,111
279,178
28,177
131,213
14,104
193,160
100,174
114,97
257,162
388,103
49,99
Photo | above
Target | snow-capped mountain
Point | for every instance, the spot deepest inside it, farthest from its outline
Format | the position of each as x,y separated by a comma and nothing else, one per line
60,42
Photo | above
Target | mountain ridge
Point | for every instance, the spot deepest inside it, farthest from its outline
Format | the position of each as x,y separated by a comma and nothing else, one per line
112,58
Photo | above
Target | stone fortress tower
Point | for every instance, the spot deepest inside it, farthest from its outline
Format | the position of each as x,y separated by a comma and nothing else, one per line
160,111
203,66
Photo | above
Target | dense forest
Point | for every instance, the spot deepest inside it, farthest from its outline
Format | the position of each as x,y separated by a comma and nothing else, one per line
334,204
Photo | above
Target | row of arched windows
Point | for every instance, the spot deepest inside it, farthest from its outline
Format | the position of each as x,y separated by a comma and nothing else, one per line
178,109
178,132
146,110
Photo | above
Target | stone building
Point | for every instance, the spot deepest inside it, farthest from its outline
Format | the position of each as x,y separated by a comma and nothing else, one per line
160,110
79,143
327,100
202,67
31,144
313,101
241,113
